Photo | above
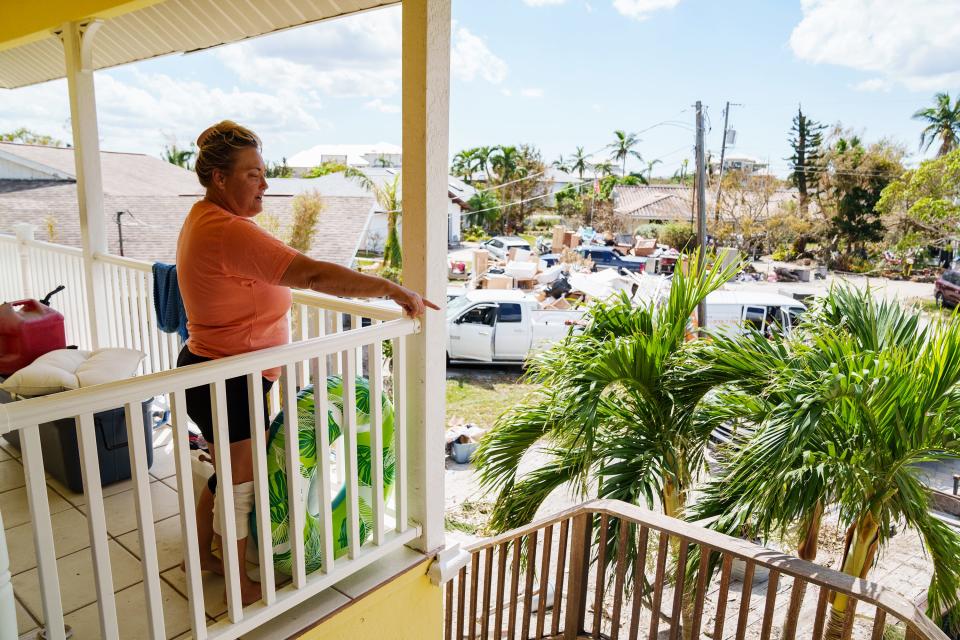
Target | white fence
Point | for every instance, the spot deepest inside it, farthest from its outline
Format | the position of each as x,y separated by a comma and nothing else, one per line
330,338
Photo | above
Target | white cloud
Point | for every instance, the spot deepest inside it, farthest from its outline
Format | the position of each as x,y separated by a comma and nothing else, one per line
532,92
915,44
471,57
543,3
641,9
874,84
383,107
141,112
506,92
588,7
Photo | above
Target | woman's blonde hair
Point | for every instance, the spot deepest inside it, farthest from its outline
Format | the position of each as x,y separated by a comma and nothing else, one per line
217,146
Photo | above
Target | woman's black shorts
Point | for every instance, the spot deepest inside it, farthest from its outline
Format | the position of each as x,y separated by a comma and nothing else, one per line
238,417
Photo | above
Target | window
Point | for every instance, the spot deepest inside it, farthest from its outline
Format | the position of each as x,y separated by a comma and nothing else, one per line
953,277
480,315
510,313
753,317
496,243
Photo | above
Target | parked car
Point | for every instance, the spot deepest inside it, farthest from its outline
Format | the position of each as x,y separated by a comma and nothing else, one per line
502,325
499,246
603,258
946,289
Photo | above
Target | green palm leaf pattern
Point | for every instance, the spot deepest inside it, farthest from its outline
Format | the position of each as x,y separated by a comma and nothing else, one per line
308,465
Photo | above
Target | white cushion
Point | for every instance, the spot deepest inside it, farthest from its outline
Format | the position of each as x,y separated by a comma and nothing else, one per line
65,369
52,372
109,365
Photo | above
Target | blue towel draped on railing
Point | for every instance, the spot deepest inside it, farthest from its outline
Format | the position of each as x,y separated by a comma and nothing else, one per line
167,303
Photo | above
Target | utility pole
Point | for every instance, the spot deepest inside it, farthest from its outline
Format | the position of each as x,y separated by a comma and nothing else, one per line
701,207
723,150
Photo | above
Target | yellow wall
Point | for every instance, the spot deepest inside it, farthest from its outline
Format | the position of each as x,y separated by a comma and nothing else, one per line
408,608
22,22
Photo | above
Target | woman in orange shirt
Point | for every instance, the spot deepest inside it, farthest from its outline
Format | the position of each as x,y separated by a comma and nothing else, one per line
235,281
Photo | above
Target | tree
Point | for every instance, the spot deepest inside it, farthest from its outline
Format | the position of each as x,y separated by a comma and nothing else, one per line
648,174
517,172
307,207
561,164
623,147
327,168
806,138
26,136
180,157
484,209
464,164
603,411
579,163
279,169
923,205
844,413
943,122
744,206
850,183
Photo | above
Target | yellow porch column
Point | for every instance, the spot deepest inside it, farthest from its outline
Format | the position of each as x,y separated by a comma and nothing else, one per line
426,105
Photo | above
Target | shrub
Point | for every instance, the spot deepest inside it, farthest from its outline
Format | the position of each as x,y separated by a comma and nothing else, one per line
679,235
475,234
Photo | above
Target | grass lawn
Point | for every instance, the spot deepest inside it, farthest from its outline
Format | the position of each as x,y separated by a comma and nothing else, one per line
481,395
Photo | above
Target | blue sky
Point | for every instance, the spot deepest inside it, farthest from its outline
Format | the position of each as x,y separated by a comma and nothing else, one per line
552,73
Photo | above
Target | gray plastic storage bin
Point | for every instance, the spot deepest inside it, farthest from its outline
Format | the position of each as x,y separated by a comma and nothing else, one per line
61,454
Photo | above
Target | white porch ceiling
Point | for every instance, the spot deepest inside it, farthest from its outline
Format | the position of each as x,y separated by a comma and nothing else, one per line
172,26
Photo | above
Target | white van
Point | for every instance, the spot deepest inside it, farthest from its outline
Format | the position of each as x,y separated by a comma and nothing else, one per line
765,312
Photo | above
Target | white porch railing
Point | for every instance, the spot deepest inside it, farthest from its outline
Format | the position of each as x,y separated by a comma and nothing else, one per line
322,346
31,269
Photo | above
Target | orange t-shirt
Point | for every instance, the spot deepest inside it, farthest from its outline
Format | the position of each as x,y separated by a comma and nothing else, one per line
228,270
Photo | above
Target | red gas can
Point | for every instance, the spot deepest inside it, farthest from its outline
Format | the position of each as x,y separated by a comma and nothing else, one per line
28,329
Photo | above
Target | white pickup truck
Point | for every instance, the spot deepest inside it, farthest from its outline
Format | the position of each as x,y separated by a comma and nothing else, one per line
502,325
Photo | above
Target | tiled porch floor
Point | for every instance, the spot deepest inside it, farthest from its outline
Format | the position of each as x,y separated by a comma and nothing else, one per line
74,559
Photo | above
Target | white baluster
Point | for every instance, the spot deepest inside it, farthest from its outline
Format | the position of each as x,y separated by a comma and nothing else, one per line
42,532
97,524
349,438
261,488
321,425
400,432
296,511
228,523
137,445
374,355
188,515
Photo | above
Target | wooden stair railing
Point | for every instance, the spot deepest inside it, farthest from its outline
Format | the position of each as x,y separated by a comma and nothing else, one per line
552,579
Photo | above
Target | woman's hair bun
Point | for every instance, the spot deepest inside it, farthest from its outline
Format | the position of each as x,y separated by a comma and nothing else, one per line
217,145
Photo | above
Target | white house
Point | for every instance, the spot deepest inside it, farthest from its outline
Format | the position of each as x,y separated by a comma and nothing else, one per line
381,154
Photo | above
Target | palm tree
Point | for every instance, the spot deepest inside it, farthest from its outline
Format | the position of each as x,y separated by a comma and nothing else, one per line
579,164
603,411
943,121
603,168
484,209
387,195
483,155
561,164
843,413
623,147
650,165
180,157
505,162
464,164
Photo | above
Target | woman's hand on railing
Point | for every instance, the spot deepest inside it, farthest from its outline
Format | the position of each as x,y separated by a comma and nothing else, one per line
412,303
